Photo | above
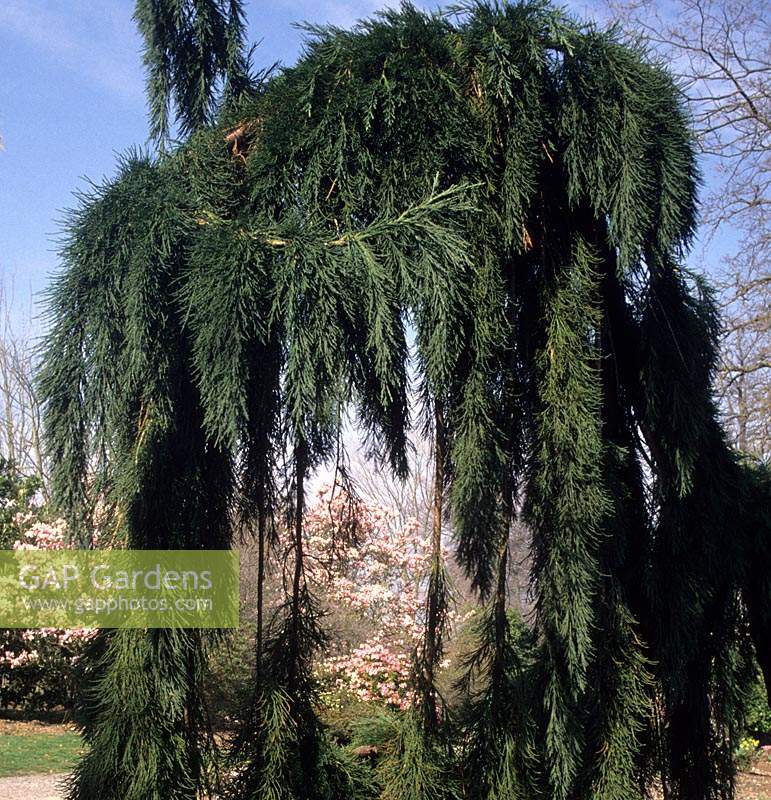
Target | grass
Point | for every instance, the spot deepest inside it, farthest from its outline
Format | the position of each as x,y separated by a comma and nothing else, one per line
38,753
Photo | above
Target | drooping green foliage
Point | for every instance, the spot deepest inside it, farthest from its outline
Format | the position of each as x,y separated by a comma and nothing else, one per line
567,500
756,581
147,737
501,720
412,763
194,49
471,221
145,415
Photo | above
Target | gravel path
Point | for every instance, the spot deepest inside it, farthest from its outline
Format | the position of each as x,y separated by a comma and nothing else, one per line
31,787
753,785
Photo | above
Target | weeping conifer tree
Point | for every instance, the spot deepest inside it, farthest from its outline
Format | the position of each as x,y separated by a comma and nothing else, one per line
517,191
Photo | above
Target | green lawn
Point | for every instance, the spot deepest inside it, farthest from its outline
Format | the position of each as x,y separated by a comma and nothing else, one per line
38,753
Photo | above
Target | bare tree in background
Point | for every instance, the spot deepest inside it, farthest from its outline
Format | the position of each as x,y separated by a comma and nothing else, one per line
721,49
20,422
409,499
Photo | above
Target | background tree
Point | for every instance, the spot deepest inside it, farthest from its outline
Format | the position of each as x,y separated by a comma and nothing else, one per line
719,49
21,426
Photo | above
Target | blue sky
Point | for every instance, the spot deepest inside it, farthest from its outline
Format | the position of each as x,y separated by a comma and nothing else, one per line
71,97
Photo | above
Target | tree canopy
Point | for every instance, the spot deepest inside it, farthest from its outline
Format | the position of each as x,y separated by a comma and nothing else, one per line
473,221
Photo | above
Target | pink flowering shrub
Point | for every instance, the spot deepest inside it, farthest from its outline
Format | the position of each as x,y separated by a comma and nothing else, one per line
368,569
37,667
19,496
41,535
371,673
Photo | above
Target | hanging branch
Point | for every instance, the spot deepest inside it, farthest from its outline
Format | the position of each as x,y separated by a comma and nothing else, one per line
567,502
436,599
262,525
190,47
300,462
501,594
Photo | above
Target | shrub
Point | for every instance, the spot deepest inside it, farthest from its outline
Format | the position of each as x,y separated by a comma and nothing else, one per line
746,751
758,711
38,668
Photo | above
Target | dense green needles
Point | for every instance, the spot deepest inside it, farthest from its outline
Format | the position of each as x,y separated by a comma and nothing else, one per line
512,191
